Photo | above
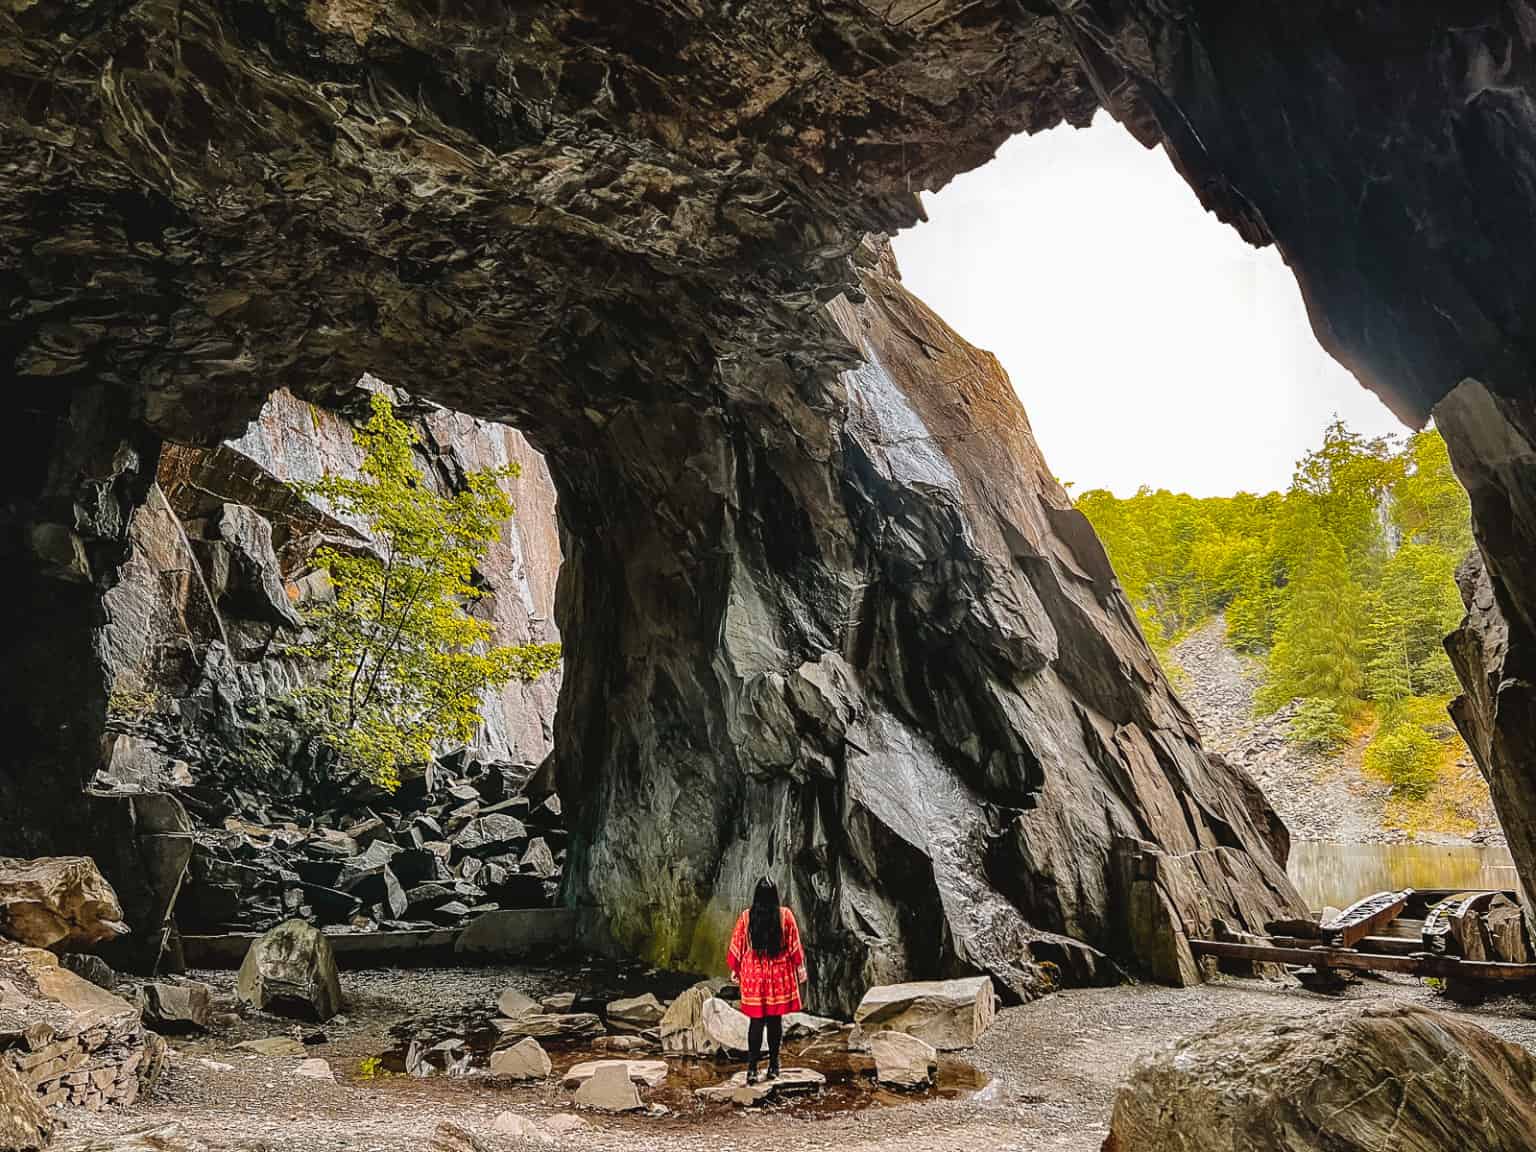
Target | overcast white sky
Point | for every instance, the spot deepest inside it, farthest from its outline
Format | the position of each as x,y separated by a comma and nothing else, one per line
1150,344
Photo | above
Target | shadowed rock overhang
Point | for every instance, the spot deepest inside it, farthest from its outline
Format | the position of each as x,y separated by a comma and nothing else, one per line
617,226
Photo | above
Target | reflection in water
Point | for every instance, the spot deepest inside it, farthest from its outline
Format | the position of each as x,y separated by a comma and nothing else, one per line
1340,874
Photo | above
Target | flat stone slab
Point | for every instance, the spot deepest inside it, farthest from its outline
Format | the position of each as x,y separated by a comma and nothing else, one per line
648,1072
737,1091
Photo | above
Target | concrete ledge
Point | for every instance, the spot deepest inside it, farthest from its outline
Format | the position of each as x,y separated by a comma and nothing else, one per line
507,934
521,933
353,949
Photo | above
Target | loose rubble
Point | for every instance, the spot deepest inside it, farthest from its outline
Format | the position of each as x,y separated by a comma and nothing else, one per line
446,848
68,1040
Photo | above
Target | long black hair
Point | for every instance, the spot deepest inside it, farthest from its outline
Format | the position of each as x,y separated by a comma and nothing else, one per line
765,927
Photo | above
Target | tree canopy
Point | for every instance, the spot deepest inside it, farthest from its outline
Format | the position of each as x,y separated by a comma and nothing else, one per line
1344,586
404,663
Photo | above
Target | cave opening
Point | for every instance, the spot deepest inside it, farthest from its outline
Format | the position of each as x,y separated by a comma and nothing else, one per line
1172,377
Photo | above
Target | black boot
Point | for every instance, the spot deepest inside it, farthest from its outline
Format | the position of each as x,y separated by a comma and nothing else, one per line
773,1067
752,1073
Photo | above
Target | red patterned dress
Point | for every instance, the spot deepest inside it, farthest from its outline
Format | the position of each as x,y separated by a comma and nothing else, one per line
770,985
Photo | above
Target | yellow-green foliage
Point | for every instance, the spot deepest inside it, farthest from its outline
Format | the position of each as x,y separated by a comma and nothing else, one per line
1407,757
405,664
1344,584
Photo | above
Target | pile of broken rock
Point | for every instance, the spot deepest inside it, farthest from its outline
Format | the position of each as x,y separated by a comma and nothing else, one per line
896,1035
63,1039
444,848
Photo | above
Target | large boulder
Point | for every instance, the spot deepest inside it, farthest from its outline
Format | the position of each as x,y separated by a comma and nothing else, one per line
57,901
25,1125
291,971
1357,1079
699,1023
947,1014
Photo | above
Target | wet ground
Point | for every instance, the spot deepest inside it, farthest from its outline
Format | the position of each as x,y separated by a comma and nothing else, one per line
1042,1078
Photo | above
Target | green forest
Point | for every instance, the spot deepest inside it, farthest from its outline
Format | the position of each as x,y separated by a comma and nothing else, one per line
1343,587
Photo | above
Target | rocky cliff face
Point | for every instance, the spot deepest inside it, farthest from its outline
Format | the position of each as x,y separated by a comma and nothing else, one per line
218,559
879,656
615,226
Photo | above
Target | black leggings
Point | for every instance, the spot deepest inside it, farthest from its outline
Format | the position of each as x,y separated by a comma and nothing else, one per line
775,1026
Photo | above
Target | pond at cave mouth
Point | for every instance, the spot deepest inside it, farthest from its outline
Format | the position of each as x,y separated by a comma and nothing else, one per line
1340,874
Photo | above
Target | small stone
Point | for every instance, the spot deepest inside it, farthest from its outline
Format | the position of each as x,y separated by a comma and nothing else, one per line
560,1002
621,1043
513,1004
737,1091
525,1060
651,1073
902,1061
273,1046
609,1089
315,1069
520,1128
182,1006
636,1014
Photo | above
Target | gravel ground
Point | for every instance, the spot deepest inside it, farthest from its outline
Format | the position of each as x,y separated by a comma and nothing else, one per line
1050,1070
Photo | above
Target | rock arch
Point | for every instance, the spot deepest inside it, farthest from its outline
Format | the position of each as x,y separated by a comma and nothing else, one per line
826,613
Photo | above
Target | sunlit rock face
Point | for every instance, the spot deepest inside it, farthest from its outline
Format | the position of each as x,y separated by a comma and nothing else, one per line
821,616
849,631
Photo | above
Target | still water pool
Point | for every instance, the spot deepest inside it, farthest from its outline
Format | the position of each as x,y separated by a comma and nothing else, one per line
1340,874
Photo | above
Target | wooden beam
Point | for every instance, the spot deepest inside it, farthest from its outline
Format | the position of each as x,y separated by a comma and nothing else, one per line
1363,918
1388,945
1417,964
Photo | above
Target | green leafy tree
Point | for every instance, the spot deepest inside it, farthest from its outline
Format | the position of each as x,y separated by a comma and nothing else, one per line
1319,648
405,665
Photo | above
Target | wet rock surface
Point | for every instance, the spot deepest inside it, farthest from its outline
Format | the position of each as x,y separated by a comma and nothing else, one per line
1420,1081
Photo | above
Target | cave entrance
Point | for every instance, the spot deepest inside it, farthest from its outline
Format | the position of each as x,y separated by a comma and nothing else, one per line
221,576
1233,470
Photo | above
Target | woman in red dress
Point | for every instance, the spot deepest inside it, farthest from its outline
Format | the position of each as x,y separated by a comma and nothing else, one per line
767,961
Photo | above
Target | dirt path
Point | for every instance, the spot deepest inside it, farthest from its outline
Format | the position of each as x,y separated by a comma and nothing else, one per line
1053,1068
